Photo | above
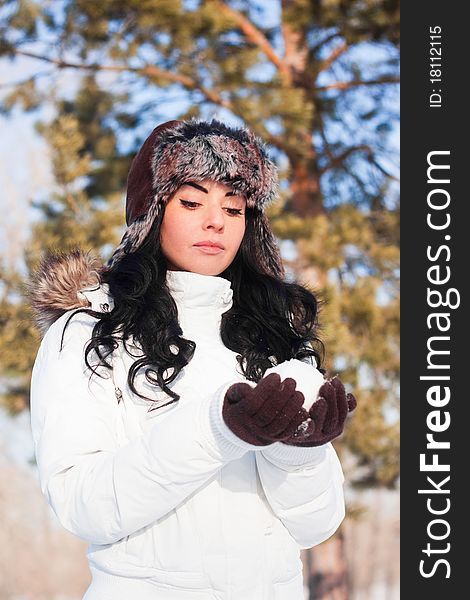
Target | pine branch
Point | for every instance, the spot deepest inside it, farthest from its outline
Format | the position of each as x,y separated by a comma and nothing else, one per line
321,128
338,160
373,160
147,70
316,48
337,52
254,35
345,85
357,179
72,204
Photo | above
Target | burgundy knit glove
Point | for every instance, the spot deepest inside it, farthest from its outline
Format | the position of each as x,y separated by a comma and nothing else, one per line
267,413
325,419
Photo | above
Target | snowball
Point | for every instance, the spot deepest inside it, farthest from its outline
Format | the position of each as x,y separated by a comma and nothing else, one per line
308,378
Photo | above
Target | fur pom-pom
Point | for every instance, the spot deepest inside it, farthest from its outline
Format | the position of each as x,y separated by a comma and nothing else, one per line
54,287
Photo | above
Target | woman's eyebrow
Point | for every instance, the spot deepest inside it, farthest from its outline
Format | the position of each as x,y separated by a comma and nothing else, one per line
203,189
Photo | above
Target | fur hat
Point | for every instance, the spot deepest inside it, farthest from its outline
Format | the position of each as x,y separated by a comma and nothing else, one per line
180,151
175,152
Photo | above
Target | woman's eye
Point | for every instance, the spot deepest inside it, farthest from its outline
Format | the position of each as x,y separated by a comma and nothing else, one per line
189,204
234,212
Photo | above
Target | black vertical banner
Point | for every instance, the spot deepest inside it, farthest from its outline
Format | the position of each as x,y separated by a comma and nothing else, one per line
435,345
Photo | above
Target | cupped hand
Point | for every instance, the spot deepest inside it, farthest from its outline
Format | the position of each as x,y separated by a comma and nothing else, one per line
267,413
325,419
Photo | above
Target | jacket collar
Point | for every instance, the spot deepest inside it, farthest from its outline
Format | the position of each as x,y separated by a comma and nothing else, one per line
194,290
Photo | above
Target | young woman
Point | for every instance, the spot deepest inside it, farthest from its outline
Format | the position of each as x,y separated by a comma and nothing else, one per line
169,424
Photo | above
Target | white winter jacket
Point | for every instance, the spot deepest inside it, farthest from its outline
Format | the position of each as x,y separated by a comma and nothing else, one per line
173,504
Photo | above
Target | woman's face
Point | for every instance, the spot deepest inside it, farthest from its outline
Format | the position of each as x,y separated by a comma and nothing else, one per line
202,211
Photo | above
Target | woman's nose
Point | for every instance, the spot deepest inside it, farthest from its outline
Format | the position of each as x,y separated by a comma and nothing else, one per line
214,218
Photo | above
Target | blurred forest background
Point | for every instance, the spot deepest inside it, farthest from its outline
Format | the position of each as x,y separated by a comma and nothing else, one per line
83,83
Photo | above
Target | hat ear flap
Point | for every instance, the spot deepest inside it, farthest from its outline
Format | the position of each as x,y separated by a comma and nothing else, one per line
267,251
136,233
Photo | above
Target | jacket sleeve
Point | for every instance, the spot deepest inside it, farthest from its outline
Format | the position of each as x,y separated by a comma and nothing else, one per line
304,487
99,489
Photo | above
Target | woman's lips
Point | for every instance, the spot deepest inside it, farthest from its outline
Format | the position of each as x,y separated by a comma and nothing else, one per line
209,249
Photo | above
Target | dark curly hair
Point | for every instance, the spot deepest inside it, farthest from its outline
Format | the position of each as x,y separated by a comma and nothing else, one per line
270,321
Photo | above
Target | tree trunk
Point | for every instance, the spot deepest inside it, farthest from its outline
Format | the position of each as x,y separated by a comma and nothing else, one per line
327,572
307,199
